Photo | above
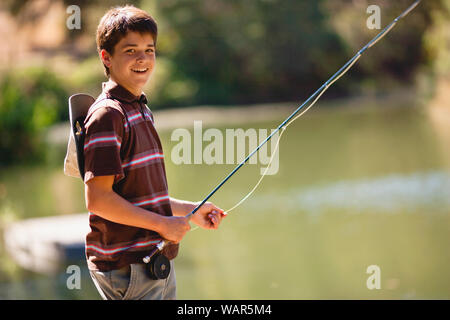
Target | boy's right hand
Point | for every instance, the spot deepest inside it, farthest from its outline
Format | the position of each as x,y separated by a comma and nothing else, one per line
174,228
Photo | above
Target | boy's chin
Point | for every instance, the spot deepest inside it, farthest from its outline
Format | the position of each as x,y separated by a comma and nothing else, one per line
141,84
140,80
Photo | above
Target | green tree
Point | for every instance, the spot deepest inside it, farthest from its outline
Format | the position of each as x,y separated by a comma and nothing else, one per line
249,51
30,101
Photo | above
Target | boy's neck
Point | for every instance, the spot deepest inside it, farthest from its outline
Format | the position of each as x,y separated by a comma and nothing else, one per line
135,92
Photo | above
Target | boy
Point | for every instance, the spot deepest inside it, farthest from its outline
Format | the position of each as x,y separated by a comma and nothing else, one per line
125,181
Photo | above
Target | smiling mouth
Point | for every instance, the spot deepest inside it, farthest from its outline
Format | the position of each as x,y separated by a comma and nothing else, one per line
144,70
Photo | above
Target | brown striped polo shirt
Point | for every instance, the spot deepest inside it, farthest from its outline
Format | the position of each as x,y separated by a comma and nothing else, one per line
121,140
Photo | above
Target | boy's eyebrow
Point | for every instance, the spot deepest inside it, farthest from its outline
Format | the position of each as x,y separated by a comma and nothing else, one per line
135,45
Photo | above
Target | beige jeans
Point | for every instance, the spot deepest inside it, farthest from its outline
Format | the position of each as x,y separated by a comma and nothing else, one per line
132,283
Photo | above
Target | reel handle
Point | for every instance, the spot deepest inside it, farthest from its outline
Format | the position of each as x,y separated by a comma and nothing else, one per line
158,247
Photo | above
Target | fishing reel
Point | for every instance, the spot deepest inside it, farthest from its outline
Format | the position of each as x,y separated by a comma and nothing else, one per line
158,268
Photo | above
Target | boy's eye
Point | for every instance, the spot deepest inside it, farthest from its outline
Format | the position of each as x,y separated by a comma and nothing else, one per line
132,51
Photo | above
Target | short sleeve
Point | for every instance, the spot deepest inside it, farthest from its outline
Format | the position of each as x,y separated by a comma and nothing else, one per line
102,143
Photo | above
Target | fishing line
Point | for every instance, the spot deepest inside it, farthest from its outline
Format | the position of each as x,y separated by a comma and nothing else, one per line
294,116
352,61
283,130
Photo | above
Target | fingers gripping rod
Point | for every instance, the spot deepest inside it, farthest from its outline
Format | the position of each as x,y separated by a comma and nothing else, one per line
319,92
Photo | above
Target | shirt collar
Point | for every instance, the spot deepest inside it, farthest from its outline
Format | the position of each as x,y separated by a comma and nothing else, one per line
116,90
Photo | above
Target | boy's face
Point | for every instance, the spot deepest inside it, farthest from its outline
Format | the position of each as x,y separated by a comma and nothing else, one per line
132,62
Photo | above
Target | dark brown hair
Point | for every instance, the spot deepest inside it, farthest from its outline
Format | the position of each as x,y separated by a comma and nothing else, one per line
117,22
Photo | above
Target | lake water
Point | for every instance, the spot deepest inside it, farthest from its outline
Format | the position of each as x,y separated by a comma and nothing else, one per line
355,188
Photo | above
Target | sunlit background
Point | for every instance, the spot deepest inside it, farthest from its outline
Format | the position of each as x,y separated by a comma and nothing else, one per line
363,179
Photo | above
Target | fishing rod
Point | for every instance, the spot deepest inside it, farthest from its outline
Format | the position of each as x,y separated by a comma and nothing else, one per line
294,115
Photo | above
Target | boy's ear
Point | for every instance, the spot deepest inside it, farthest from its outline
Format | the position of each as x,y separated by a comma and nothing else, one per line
106,58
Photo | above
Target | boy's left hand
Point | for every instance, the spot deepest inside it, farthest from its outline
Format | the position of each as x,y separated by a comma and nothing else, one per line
208,216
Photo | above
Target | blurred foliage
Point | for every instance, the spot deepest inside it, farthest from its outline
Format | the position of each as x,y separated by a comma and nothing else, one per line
228,52
31,100
17,7
405,51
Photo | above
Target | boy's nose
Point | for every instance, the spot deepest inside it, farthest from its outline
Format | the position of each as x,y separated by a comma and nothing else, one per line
141,58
